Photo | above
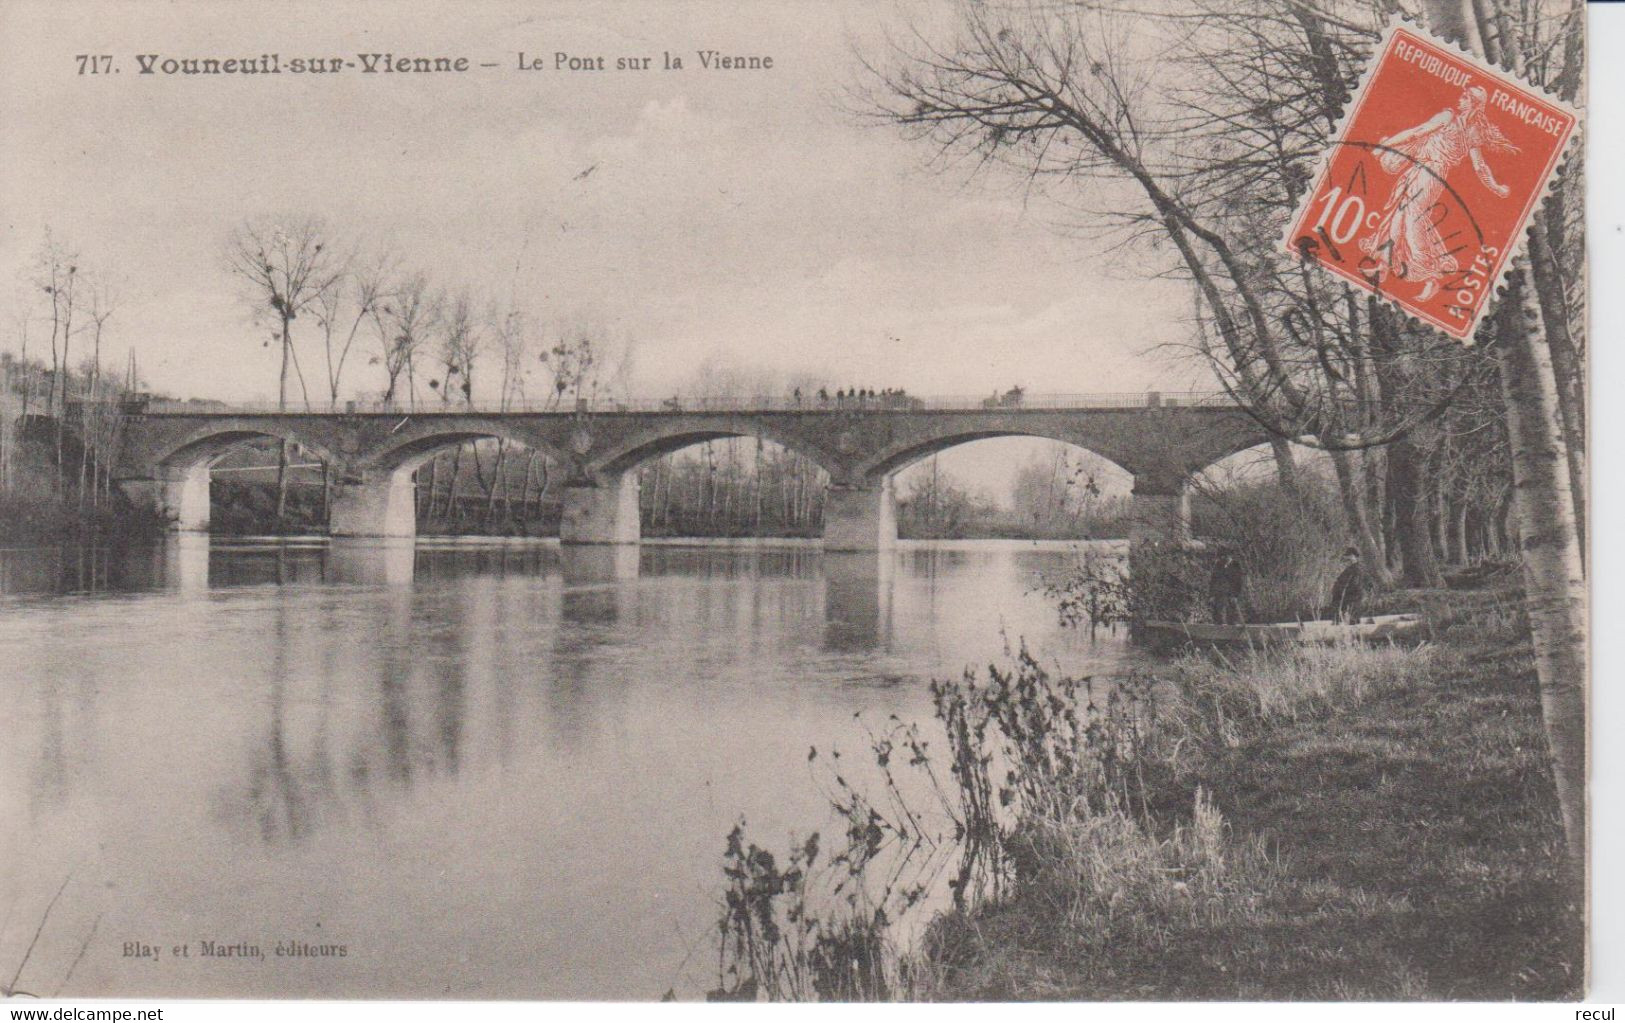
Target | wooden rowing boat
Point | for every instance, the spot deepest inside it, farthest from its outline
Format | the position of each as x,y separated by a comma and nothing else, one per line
1373,629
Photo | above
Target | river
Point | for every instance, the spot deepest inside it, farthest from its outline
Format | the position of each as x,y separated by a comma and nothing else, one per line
484,769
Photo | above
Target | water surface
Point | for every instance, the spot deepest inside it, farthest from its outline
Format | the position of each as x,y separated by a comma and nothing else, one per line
485,769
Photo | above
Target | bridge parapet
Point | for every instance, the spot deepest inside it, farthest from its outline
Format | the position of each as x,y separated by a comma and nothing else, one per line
755,403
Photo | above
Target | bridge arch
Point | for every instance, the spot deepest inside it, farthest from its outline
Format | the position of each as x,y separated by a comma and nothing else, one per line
896,458
413,446
207,444
181,469
864,514
378,497
1228,447
602,505
1159,450
680,432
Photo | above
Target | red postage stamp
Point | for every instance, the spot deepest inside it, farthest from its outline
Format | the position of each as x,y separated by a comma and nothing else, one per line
1425,191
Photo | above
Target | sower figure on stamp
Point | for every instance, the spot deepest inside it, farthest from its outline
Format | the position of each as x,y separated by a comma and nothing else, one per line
1348,592
1407,240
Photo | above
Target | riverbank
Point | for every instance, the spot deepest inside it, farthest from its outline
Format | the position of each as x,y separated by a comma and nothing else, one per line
37,516
1336,824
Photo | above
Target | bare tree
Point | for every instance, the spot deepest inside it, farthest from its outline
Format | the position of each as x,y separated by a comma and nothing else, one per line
21,317
587,362
285,264
343,307
99,421
56,274
1196,170
513,333
405,317
461,339
1208,162
572,364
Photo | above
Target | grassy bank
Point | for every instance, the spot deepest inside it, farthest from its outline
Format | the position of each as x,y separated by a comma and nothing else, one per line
1374,824
1325,823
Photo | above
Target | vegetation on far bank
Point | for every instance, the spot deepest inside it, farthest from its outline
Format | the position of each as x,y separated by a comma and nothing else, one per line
36,510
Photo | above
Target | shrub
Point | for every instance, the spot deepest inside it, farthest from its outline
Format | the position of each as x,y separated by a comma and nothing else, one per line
33,510
1034,762
1288,545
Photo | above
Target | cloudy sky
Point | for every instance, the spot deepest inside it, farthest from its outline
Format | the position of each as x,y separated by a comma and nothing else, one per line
739,219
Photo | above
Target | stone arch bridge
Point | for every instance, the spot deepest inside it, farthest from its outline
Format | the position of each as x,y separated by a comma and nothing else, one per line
372,452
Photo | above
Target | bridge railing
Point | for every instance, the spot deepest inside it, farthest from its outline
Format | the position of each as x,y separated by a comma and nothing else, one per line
758,403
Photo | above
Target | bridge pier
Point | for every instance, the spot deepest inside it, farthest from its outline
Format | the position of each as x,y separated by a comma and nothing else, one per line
860,518
1162,508
603,512
381,505
179,496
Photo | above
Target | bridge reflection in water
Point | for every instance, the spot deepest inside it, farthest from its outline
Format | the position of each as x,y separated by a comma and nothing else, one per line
858,590
857,587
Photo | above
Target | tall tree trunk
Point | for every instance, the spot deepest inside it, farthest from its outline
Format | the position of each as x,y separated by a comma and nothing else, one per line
710,486
1286,466
1544,496
1354,513
1459,550
281,484
1372,464
487,487
434,488
282,446
1439,516
1407,495
1418,568
1390,538
85,442
1501,528
1566,366
450,513
756,487
1549,547
62,413
524,493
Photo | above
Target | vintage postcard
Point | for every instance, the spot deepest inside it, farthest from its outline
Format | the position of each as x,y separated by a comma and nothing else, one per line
794,501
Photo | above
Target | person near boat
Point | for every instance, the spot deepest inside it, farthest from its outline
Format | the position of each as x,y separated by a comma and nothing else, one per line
1348,592
1226,590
